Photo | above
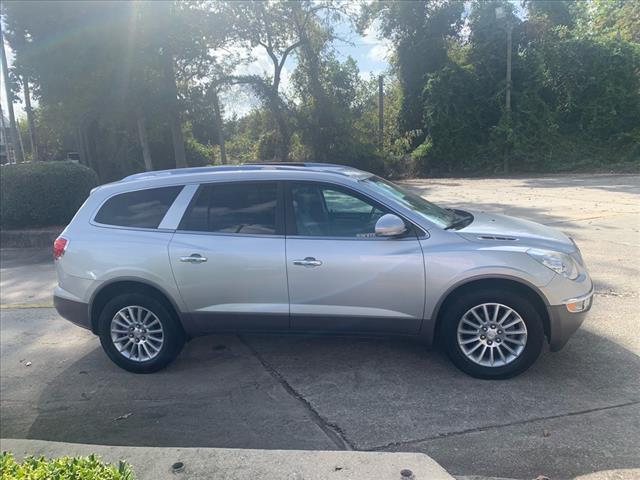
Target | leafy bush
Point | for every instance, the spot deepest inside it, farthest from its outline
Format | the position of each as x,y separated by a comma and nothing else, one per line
63,468
197,154
42,193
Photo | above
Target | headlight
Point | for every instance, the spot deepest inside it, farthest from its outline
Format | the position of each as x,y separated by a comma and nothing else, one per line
561,263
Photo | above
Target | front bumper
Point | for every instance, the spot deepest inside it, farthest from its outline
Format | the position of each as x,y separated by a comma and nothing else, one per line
75,312
563,323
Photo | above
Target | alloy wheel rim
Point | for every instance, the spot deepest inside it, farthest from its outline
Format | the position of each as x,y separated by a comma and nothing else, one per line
137,333
492,335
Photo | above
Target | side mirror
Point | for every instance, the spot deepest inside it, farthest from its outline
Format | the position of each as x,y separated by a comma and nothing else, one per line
390,225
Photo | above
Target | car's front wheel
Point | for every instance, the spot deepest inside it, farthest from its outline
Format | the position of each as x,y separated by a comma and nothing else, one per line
493,335
139,334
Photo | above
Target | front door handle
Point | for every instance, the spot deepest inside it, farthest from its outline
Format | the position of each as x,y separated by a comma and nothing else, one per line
194,258
308,262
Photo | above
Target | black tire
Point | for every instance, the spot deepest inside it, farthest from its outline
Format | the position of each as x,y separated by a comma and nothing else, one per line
517,302
174,336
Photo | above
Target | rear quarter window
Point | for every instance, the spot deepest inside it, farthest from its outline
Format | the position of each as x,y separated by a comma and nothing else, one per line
139,209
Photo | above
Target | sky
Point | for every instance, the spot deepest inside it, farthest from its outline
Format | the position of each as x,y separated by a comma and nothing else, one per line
370,53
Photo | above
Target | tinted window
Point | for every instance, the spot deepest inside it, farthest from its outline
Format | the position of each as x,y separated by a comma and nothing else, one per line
234,208
142,209
328,212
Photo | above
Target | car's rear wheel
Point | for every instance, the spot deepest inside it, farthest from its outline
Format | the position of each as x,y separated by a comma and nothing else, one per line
139,334
493,335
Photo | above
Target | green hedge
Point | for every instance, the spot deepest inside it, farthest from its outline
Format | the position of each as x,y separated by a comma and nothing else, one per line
42,194
63,468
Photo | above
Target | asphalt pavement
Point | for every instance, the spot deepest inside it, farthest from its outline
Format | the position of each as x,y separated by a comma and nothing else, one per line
574,413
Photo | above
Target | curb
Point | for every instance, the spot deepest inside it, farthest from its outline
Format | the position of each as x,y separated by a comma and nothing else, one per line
29,238
155,463
23,306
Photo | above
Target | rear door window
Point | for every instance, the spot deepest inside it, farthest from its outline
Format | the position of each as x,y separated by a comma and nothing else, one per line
139,209
237,207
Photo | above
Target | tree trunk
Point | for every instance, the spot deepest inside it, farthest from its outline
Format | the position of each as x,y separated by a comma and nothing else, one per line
82,152
284,140
30,120
318,121
278,110
3,135
12,118
174,115
92,162
178,140
21,144
380,113
144,142
321,124
219,127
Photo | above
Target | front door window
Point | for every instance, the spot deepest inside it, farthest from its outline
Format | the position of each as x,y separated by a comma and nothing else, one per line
323,211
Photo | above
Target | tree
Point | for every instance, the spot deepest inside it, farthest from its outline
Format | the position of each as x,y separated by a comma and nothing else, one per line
15,134
419,31
123,82
618,19
279,29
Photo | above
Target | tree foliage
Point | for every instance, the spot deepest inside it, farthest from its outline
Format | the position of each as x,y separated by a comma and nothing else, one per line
573,94
420,32
134,85
100,65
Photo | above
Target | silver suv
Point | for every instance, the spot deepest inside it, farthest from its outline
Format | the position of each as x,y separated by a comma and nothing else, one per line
160,257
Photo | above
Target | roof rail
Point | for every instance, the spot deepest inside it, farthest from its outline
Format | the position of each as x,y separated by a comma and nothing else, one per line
333,167
297,164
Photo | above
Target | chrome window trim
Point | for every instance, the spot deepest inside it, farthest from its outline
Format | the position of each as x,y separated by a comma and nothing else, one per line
357,239
135,229
223,234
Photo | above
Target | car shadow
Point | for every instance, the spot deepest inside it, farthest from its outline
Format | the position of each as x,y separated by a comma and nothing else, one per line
380,394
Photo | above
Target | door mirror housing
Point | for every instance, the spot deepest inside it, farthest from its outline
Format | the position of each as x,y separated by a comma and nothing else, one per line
390,225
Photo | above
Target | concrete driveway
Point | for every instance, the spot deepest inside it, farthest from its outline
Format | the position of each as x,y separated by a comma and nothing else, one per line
576,412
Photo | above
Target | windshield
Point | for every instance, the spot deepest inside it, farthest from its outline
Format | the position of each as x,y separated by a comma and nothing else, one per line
428,210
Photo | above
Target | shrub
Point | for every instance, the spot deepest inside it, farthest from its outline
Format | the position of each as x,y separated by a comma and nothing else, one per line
197,154
42,193
63,468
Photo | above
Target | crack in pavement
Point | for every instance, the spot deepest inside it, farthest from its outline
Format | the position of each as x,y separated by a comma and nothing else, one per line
611,293
333,431
492,427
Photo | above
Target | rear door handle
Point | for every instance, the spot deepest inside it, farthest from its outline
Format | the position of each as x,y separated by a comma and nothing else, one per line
308,262
194,258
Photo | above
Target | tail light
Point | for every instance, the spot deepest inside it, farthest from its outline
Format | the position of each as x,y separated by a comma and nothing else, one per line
59,246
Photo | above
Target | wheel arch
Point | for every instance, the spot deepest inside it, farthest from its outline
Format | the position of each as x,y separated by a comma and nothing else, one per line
107,291
529,291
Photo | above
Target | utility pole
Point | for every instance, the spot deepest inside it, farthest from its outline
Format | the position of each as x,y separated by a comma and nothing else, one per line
502,14
12,118
508,95
381,112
